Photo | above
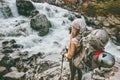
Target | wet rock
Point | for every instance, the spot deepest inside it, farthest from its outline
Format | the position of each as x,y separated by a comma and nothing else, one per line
3,71
78,15
71,17
33,13
66,2
19,23
12,41
24,55
16,33
8,62
17,46
15,55
8,43
5,10
24,7
2,35
45,65
4,43
40,23
71,5
2,56
7,50
9,46
59,2
118,37
48,1
4,60
41,55
1,1
14,76
13,69
114,34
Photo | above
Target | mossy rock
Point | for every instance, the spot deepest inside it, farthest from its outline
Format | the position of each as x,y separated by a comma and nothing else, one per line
103,9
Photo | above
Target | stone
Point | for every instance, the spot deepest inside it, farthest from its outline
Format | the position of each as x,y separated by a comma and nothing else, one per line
24,7
14,75
34,13
24,55
71,17
17,46
42,1
118,37
4,43
1,56
5,10
2,69
2,34
7,50
59,2
41,24
12,41
13,69
106,23
115,35
1,1
118,47
15,55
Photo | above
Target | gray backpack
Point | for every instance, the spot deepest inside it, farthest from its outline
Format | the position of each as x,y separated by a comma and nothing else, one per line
96,40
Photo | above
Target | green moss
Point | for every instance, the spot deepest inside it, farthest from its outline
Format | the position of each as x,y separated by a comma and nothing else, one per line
114,7
103,9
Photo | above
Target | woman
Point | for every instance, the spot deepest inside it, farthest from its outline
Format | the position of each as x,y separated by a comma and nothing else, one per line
80,46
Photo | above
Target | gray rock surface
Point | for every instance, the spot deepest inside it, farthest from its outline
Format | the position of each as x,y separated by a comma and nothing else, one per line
5,10
14,75
42,1
1,56
24,7
2,69
41,24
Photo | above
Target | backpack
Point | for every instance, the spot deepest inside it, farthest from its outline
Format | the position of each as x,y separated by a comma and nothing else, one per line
94,41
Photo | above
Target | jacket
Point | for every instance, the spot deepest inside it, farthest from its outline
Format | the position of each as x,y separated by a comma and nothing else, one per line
78,27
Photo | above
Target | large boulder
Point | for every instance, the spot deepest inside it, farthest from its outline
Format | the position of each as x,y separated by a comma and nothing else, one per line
40,23
24,7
